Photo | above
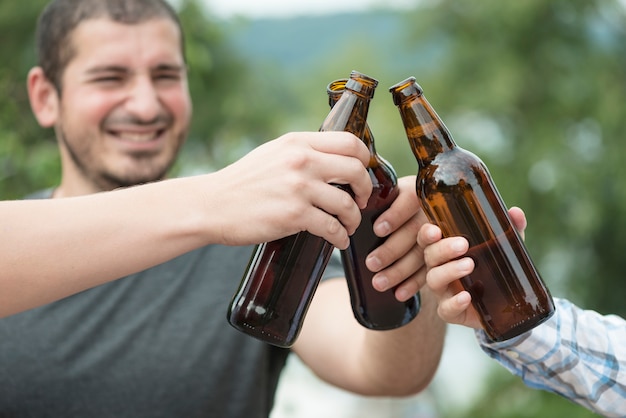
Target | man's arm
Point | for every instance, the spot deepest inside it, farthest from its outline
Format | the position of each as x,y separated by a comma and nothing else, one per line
53,248
578,354
397,362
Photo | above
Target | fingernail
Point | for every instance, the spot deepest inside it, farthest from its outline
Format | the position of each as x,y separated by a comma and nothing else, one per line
458,244
382,229
402,295
380,283
464,264
373,263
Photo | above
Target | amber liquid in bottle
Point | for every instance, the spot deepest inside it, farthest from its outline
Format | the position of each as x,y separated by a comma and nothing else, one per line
458,194
372,309
282,275
271,308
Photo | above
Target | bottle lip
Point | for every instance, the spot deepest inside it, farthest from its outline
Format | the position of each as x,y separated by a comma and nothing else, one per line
404,89
336,86
361,83
364,77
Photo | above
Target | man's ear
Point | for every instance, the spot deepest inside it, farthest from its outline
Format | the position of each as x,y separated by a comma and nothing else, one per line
44,98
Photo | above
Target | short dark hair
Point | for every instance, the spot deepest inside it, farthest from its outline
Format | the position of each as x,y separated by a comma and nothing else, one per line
61,17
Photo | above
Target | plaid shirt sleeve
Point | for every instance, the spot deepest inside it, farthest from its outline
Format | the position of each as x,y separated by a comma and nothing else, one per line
578,354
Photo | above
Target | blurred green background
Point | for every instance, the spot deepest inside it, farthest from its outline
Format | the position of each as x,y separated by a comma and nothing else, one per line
535,88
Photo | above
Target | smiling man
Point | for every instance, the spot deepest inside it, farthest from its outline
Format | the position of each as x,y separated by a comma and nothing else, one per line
124,110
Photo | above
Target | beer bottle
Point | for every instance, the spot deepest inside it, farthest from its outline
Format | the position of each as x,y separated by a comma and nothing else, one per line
372,309
458,194
282,275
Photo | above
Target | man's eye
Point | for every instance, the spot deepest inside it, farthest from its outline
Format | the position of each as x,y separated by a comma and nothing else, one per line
108,79
167,76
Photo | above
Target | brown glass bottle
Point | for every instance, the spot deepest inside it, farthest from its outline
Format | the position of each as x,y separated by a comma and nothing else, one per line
282,276
459,195
372,309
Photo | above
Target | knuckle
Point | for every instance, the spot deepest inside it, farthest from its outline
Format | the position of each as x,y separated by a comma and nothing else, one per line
291,137
333,226
351,140
346,202
429,257
296,213
298,159
353,145
431,280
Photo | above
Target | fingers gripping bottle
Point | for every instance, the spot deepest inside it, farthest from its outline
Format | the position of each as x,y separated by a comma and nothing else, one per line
459,195
282,275
372,309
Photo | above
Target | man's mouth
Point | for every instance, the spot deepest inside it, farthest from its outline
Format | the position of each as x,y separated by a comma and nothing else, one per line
137,136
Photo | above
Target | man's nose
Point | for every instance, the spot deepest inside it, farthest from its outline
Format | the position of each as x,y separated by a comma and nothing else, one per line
143,99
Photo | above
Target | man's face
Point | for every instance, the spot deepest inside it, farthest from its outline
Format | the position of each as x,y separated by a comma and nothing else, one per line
125,105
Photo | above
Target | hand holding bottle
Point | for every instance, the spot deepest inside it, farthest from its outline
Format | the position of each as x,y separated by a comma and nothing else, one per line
282,275
283,187
459,195
446,264
399,261
372,308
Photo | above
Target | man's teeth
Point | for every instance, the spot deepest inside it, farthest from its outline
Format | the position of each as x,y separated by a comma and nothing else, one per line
137,137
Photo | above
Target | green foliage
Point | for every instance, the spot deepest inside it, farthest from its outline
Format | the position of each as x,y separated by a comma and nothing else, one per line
24,147
507,397
229,112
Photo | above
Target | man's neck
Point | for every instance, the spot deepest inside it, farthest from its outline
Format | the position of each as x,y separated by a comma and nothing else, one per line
72,189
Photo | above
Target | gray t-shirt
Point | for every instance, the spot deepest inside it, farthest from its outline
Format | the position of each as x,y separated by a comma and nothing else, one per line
154,344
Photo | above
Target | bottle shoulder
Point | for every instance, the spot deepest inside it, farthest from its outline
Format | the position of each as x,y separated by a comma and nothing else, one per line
385,184
382,172
454,166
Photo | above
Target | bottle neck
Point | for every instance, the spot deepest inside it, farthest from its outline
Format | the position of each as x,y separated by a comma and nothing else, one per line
427,134
335,90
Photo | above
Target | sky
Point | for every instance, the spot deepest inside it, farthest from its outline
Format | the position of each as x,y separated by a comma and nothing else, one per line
289,8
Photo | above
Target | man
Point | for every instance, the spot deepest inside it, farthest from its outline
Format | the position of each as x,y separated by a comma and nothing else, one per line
576,353
112,83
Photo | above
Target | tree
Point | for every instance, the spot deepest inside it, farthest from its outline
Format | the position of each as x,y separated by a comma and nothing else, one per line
25,148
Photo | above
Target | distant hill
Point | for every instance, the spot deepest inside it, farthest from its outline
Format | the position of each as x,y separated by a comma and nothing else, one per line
373,38
293,59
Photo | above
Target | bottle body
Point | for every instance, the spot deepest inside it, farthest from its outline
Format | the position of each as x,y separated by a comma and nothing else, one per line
372,309
506,289
278,287
458,194
282,276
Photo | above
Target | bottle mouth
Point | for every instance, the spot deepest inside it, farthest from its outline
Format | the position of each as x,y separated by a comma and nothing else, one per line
358,82
364,78
337,86
405,88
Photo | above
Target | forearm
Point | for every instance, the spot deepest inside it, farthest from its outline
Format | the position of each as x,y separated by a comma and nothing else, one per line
373,363
53,248
578,354
403,361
